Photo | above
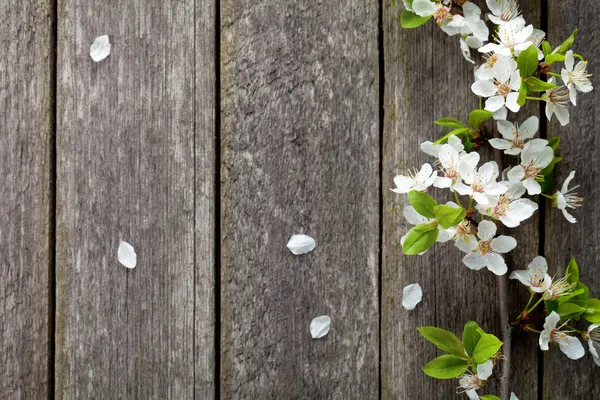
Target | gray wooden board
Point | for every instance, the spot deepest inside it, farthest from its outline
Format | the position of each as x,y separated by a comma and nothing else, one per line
426,78
134,138
26,96
300,154
565,378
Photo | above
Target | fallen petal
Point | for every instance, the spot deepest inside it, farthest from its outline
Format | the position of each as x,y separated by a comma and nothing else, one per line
411,296
301,244
126,255
100,49
319,326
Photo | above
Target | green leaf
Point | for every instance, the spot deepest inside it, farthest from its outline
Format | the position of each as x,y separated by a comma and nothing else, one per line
527,62
536,85
443,339
468,144
552,58
456,132
522,94
554,143
564,299
470,336
449,123
586,292
422,202
490,397
570,310
409,19
592,314
572,271
420,238
551,305
578,56
478,117
546,48
550,168
449,216
446,367
486,348
566,45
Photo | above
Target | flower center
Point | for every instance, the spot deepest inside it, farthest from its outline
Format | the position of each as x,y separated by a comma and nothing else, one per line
503,88
559,288
557,336
441,14
484,247
531,171
509,10
559,96
463,229
537,279
501,208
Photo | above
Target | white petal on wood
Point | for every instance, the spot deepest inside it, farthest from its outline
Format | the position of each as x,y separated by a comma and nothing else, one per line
319,326
126,255
301,244
411,296
100,49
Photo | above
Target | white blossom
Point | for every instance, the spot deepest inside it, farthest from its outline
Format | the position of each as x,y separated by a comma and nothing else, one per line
557,102
535,276
503,90
486,251
509,207
514,137
569,345
565,198
434,149
415,181
593,334
470,383
482,182
536,156
449,159
512,38
576,77
503,11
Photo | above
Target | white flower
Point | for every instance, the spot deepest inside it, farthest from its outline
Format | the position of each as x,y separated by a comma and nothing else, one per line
569,345
486,70
469,383
557,102
593,333
486,252
535,276
482,182
576,78
509,207
426,8
503,11
515,137
411,296
416,181
414,218
434,149
449,158
504,90
534,158
463,235
558,288
513,37
565,199
472,24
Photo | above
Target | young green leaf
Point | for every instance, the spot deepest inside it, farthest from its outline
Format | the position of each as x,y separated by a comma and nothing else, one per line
554,143
446,367
552,58
570,310
572,271
566,45
592,314
420,238
550,168
478,117
551,305
422,202
527,62
586,292
522,94
444,340
449,216
469,145
486,348
456,132
536,85
471,336
490,397
409,19
564,299
546,48
449,123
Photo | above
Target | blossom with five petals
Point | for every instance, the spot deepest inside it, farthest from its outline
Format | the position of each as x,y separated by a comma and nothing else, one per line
513,37
504,89
536,156
415,181
449,160
470,383
509,207
569,345
535,276
557,102
514,137
503,11
576,77
482,182
566,199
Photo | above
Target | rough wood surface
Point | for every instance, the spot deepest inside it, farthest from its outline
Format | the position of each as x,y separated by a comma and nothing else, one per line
300,144
135,163
26,97
425,79
564,378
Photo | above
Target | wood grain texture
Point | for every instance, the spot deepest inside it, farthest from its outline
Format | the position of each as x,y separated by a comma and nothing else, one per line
26,130
426,79
300,145
128,166
579,146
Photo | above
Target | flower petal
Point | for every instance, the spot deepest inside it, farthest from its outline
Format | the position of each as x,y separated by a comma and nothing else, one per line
100,49
487,230
484,88
404,184
301,244
572,347
496,263
474,261
319,326
423,8
529,128
503,244
126,255
411,296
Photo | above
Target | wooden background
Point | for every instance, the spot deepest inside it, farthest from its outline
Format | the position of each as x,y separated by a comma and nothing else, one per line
214,131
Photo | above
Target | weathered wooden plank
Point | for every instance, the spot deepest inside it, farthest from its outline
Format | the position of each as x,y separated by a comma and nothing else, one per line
300,147
427,78
26,131
128,166
564,378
